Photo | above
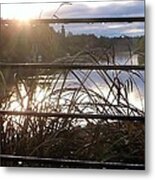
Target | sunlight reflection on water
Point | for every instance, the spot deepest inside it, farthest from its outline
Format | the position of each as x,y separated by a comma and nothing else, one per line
87,90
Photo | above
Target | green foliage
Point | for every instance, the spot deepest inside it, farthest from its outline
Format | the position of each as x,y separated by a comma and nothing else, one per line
26,42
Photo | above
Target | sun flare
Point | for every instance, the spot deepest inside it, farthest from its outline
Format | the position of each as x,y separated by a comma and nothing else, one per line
26,12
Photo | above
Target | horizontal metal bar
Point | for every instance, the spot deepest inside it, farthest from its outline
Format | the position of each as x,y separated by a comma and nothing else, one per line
71,66
80,20
75,115
59,2
73,163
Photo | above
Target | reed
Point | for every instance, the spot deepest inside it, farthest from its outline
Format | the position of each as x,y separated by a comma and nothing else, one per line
73,91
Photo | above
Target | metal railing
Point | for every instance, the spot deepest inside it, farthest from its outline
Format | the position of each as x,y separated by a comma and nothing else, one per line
73,163
81,20
71,66
62,162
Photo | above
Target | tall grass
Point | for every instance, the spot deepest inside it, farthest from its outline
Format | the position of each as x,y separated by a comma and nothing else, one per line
74,91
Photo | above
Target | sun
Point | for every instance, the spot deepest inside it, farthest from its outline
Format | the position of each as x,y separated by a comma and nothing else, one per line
22,16
26,12
19,12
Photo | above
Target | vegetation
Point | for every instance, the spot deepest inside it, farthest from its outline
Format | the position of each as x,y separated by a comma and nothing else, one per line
96,139
68,91
26,43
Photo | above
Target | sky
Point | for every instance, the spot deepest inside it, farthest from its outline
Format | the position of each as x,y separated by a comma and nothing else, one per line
79,9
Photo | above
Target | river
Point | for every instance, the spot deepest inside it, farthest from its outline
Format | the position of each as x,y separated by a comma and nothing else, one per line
82,91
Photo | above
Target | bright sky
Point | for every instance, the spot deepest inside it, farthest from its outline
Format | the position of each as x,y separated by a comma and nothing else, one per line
80,9
27,11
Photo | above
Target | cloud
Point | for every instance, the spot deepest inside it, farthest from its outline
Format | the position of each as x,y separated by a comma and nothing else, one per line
112,9
122,10
106,29
87,9
92,10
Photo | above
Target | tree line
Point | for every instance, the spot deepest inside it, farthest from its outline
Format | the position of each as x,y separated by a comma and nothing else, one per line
32,43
